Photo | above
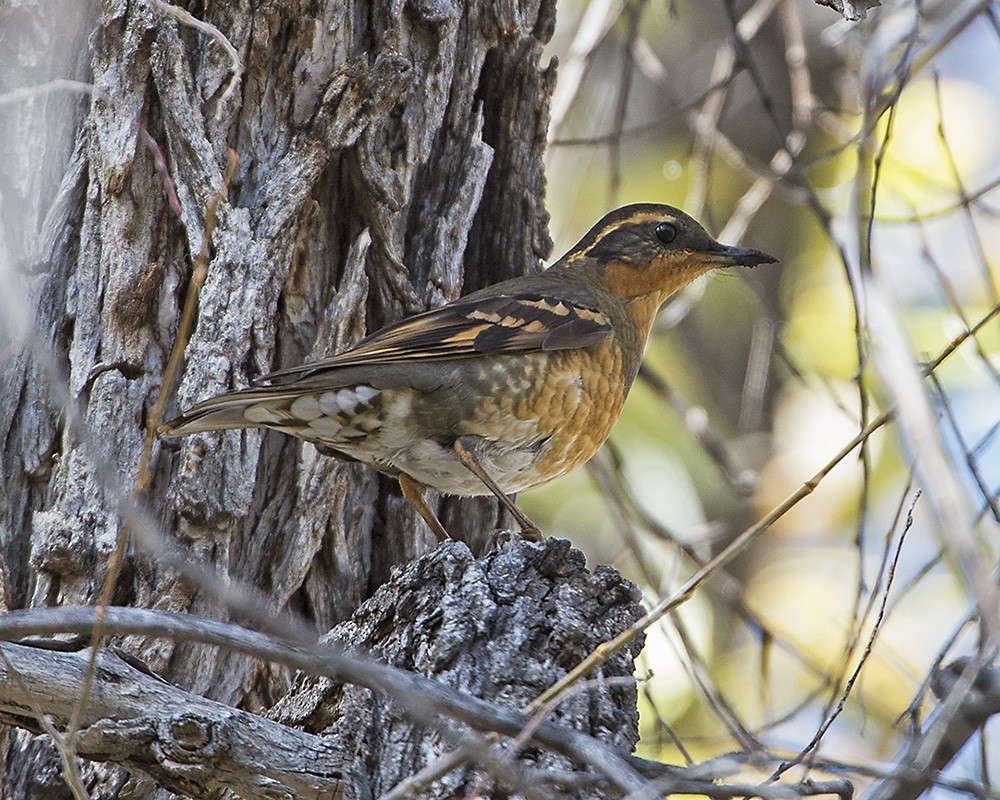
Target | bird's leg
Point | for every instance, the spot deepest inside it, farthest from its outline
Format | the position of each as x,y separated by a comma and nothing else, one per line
529,530
414,494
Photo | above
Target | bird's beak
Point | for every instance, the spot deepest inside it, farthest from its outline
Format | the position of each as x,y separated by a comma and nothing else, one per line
727,255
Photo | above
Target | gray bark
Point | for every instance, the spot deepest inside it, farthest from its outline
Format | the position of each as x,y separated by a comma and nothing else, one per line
455,631
345,121
500,628
390,159
181,741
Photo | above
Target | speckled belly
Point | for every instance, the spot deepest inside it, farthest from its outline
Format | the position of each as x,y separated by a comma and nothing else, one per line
535,418
527,418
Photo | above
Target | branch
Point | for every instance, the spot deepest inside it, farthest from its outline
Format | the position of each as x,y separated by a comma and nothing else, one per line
970,695
184,742
195,746
420,698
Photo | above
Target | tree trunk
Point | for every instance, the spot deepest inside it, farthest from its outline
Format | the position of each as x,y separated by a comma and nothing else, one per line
389,160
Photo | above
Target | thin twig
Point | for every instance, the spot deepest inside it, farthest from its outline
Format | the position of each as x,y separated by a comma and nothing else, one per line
740,544
64,746
187,18
144,476
419,697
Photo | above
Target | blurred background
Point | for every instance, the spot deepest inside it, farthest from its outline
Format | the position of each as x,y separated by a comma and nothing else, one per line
865,157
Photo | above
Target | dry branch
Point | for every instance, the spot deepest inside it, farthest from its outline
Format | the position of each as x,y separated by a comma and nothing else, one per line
182,741
970,694
490,633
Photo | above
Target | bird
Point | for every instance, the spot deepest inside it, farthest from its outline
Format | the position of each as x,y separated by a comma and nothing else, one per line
501,390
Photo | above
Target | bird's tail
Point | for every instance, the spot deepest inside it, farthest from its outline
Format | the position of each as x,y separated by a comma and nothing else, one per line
230,411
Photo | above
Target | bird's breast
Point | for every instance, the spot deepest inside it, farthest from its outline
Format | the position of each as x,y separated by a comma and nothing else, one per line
527,417
532,417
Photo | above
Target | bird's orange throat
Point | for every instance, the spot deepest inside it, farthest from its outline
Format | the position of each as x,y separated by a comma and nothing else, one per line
660,278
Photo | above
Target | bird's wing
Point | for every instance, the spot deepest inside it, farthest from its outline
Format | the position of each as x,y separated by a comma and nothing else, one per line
474,327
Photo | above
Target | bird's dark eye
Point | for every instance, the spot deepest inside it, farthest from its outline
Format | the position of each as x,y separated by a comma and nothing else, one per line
666,232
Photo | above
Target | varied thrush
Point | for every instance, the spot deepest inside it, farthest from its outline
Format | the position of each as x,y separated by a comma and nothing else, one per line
501,390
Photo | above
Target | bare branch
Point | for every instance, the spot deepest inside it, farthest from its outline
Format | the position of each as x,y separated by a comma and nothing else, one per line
419,697
188,744
970,695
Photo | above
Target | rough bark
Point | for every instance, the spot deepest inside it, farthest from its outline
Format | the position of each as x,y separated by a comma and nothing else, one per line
389,159
181,741
499,630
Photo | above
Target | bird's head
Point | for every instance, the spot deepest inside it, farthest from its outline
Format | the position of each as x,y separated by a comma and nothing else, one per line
650,250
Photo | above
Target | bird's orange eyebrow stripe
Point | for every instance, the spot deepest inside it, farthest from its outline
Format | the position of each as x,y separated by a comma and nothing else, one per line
635,219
